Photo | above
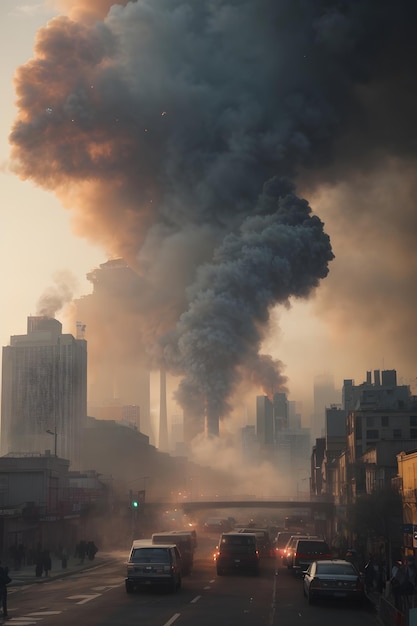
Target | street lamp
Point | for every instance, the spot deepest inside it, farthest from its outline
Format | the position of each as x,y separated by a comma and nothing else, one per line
54,433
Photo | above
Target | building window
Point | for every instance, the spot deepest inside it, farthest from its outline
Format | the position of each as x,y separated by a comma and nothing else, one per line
385,421
372,434
413,433
413,420
396,433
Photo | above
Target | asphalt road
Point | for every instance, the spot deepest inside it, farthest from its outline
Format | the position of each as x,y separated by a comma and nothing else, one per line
97,597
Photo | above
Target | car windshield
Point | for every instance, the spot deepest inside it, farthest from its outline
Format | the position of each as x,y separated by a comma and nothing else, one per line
312,547
336,569
282,539
150,555
237,542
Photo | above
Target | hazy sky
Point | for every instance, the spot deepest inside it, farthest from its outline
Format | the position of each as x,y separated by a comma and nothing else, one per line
36,237
362,315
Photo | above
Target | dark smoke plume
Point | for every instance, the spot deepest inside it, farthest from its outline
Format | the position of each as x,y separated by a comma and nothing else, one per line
168,128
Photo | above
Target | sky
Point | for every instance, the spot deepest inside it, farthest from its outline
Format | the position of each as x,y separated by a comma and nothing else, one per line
338,121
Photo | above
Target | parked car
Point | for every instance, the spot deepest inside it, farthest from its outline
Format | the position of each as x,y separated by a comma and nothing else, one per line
306,551
151,565
334,578
237,552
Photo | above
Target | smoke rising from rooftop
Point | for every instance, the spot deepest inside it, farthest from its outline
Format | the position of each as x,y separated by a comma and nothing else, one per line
168,128
55,297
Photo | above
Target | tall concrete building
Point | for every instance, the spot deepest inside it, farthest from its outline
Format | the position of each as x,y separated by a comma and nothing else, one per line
265,431
118,362
325,395
44,390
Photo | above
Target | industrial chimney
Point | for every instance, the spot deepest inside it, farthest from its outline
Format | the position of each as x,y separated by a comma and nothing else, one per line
163,421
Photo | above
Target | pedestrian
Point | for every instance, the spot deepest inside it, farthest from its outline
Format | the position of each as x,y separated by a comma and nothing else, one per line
64,558
352,557
38,562
46,562
91,550
369,573
82,550
403,579
4,581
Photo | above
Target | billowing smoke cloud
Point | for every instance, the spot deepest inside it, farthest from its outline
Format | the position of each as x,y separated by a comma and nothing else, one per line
168,127
280,251
55,297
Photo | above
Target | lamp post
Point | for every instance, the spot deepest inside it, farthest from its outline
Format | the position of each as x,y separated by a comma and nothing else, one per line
54,433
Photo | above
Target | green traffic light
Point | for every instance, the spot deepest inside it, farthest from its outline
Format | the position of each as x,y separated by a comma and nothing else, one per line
135,504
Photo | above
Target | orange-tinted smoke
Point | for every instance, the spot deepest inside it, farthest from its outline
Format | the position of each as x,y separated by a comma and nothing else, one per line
87,10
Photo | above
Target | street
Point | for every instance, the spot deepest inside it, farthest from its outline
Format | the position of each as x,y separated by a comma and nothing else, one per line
97,597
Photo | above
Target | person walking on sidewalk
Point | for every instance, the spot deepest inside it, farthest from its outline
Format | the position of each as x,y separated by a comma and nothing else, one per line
46,562
64,558
370,573
4,581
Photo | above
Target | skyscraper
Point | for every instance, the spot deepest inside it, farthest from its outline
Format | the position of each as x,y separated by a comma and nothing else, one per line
118,364
325,395
264,421
44,390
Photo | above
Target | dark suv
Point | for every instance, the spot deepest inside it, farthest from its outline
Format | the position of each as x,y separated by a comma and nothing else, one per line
153,565
308,550
237,551
263,541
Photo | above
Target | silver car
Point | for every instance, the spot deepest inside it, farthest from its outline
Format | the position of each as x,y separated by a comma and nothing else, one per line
153,565
335,578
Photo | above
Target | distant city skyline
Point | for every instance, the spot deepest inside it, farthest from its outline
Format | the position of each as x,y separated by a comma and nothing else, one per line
359,318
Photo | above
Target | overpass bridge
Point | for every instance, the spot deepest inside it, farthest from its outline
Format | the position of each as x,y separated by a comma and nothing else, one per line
198,505
320,510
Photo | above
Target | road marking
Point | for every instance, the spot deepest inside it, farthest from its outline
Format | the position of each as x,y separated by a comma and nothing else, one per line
21,621
212,580
172,620
208,587
105,587
196,599
43,613
84,599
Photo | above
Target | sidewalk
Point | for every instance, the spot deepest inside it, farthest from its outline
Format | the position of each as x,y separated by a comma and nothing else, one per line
26,574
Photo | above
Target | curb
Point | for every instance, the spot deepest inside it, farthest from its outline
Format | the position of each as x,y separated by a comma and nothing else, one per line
32,579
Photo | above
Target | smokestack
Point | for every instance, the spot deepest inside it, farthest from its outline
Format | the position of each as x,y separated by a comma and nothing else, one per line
211,423
377,378
368,378
163,422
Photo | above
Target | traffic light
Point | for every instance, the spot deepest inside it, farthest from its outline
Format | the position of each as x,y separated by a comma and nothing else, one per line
134,504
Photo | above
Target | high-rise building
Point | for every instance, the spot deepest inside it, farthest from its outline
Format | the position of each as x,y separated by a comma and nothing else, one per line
44,391
264,421
325,395
384,391
280,411
118,363
131,415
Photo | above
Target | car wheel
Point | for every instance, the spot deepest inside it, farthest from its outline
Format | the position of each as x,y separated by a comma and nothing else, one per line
129,587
